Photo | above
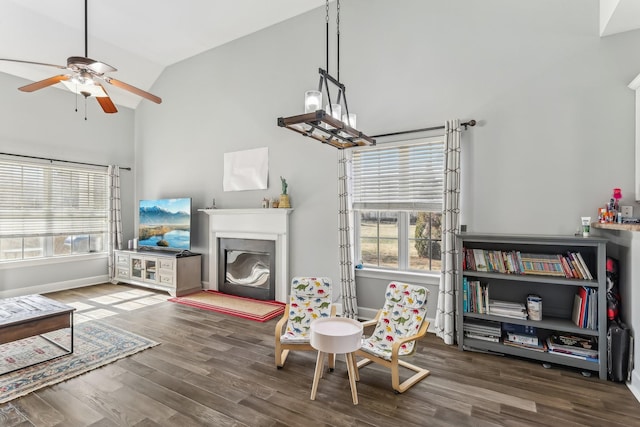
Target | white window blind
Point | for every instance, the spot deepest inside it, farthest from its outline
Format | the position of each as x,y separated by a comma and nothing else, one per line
407,176
48,200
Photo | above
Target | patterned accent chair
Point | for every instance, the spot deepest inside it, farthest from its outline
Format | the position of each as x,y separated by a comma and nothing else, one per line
310,299
399,323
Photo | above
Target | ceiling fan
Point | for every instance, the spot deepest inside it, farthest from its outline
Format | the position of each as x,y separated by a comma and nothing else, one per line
84,76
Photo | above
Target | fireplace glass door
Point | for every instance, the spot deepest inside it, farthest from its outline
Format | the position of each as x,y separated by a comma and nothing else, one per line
246,267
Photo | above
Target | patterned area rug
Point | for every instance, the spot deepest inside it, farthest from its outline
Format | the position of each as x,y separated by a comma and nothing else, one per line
247,308
95,344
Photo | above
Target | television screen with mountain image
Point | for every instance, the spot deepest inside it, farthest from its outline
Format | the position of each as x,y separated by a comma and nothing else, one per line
165,224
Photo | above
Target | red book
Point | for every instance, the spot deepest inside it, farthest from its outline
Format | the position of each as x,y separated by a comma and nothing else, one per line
582,291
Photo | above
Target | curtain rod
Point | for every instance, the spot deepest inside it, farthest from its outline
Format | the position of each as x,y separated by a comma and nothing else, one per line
58,160
465,124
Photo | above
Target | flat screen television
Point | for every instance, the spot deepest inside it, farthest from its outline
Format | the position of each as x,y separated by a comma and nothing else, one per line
165,224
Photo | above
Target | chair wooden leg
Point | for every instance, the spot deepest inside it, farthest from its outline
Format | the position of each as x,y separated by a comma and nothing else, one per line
281,357
318,374
420,373
332,362
364,362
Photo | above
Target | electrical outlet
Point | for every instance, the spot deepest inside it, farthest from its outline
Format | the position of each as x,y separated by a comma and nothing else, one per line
627,211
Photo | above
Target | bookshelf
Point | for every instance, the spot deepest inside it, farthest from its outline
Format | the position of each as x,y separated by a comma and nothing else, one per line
557,294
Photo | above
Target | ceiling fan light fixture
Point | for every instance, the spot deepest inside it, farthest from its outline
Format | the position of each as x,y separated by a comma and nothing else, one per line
83,88
86,77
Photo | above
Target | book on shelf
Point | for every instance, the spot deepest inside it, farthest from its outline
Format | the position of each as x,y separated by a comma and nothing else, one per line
507,309
577,309
480,260
541,346
584,266
523,339
585,308
477,296
482,337
543,264
575,356
479,326
519,329
577,266
486,330
570,265
573,344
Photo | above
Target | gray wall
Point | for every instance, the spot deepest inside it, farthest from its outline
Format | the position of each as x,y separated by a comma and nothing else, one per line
555,115
45,124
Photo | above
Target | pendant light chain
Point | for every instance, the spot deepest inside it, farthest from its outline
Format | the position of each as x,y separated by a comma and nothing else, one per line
338,38
86,38
327,32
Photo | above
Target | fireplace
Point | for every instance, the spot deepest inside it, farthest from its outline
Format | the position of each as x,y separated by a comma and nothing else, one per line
252,226
247,267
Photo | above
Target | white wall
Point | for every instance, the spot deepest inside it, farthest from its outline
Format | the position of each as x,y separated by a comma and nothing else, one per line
556,119
45,124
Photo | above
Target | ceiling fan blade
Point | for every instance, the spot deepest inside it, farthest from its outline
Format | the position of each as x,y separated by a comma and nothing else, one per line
62,67
133,89
101,67
80,62
44,83
106,104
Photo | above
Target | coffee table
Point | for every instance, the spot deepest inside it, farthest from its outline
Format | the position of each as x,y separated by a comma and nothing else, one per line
32,315
336,335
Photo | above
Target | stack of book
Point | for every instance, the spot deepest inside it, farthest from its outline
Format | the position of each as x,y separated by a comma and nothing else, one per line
580,347
522,336
515,310
485,330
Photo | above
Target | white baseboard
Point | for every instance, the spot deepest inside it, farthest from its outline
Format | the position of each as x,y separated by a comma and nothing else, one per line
54,287
634,385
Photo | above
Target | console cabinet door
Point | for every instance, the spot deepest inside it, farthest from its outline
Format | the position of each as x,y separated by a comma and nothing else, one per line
137,267
151,270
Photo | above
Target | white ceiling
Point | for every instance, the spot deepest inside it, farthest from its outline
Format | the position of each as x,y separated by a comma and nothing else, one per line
142,37
138,37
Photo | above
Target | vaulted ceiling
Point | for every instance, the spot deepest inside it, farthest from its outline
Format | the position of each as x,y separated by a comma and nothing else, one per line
142,37
138,37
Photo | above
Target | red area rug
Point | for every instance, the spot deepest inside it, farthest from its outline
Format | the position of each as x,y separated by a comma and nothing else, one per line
246,308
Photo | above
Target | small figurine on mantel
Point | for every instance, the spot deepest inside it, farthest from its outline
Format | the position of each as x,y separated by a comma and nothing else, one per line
284,197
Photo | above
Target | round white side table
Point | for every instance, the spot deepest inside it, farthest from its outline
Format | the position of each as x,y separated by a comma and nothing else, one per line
336,335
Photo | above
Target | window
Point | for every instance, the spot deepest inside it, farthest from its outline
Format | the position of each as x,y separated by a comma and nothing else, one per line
49,211
397,196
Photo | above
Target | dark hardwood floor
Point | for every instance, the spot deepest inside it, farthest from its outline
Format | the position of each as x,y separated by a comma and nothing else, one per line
216,370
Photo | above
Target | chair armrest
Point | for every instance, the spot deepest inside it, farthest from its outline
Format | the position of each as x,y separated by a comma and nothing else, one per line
283,321
372,322
421,333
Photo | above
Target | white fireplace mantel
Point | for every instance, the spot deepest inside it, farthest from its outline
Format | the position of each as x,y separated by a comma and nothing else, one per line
261,224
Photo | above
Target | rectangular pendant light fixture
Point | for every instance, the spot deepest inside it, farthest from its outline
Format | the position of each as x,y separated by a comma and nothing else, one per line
321,125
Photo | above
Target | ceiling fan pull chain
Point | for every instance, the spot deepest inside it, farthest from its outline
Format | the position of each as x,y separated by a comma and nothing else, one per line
85,108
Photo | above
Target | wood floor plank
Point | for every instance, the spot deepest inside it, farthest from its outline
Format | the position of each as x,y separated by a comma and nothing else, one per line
212,369
37,411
